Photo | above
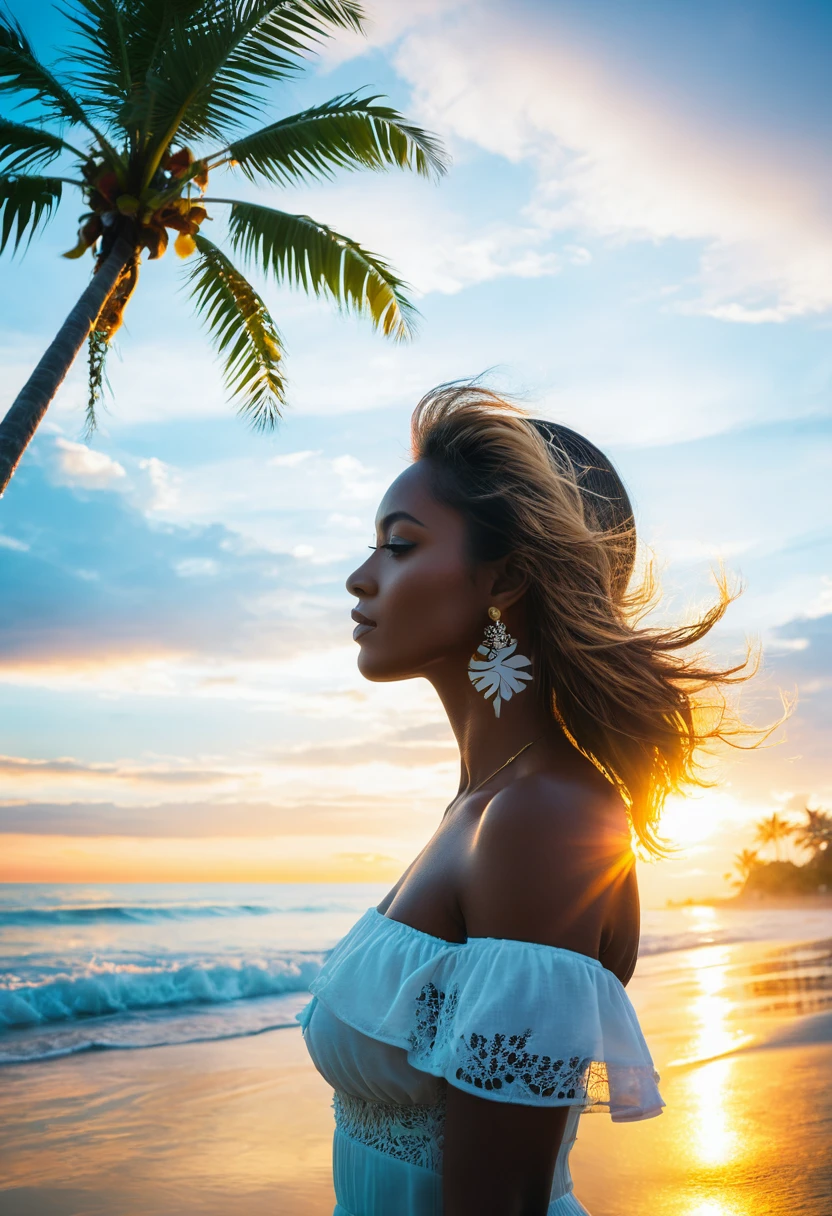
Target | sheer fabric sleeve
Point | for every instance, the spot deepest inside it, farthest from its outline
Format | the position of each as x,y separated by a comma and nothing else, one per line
518,1022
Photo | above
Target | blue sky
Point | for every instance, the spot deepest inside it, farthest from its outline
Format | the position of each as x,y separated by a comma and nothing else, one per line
636,236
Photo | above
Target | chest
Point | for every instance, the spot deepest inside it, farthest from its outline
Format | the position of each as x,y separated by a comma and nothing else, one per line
354,1063
428,894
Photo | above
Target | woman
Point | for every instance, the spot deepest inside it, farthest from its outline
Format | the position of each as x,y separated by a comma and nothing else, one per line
467,1021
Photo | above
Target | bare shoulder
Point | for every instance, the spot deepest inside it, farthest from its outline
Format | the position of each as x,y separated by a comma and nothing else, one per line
553,811
549,857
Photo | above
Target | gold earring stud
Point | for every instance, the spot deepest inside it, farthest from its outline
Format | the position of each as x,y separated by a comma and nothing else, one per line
494,613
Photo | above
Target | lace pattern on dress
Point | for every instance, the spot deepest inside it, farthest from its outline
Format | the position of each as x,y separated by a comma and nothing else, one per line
413,1133
500,1061
492,1062
434,1018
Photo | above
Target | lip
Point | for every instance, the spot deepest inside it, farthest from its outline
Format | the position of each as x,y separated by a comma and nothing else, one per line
363,624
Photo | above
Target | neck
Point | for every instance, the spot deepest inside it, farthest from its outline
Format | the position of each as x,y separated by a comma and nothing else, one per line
484,740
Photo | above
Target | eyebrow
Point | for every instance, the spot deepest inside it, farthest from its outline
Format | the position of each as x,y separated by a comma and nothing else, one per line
395,516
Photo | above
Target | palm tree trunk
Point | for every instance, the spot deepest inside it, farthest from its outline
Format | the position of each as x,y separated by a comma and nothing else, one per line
33,400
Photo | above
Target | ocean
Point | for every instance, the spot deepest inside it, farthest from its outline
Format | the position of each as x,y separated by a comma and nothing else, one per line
122,967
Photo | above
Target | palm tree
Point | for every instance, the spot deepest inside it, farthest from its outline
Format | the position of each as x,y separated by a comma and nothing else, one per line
151,84
815,834
744,863
772,831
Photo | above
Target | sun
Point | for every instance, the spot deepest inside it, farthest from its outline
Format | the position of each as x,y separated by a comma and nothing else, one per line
700,816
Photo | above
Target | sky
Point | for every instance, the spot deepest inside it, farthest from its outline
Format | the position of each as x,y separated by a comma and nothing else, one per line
635,235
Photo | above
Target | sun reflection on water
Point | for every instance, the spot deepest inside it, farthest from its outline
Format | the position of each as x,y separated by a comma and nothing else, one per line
716,1207
715,1139
712,1007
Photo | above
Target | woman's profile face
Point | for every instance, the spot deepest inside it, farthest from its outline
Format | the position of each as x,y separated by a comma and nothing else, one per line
424,597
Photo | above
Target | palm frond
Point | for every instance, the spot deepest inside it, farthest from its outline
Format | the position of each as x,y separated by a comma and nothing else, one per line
183,95
243,332
22,72
102,70
348,132
148,24
298,250
24,147
280,34
118,45
25,203
207,76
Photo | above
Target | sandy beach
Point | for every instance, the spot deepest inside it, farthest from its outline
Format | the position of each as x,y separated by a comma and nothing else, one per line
238,1126
740,1034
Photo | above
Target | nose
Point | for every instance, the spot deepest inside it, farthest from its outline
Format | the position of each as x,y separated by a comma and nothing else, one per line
360,583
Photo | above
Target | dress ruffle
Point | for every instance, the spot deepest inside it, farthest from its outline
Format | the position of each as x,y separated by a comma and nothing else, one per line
510,1020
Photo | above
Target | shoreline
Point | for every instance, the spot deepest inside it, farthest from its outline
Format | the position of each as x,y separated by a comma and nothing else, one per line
759,902
245,1125
143,1026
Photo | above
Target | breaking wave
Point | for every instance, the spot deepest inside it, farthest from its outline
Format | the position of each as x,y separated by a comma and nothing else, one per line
118,989
147,913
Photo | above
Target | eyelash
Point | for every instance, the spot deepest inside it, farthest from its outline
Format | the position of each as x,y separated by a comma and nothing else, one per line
398,550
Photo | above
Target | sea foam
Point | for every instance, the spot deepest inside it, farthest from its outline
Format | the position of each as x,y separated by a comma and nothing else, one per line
105,989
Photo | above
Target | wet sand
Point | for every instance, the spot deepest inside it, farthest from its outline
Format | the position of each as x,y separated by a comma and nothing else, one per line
241,1126
740,1035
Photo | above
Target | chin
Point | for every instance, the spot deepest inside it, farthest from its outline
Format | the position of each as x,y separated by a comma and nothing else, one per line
372,669
377,670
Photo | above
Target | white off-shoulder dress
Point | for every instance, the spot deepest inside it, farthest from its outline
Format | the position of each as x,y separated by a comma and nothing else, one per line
397,1015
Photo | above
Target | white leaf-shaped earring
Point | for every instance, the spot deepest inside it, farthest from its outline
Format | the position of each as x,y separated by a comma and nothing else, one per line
497,673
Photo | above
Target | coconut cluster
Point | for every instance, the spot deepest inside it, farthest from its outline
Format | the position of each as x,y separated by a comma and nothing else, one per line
157,209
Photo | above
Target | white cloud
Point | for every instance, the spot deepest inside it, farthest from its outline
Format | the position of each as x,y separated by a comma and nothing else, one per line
352,523
788,644
291,460
152,379
640,403
821,604
750,316
196,567
695,549
577,255
9,542
364,373
357,481
383,25
80,465
319,509
431,246
164,491
614,165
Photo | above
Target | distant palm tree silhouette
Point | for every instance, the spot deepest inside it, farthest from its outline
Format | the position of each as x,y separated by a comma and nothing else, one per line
772,831
815,833
745,861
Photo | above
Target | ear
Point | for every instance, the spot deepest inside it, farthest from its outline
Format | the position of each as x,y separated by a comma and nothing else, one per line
509,583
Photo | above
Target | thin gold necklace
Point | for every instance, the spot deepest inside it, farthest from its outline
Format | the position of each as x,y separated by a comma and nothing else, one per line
505,764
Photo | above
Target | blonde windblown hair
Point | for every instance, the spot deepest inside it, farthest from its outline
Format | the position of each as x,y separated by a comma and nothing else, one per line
633,699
